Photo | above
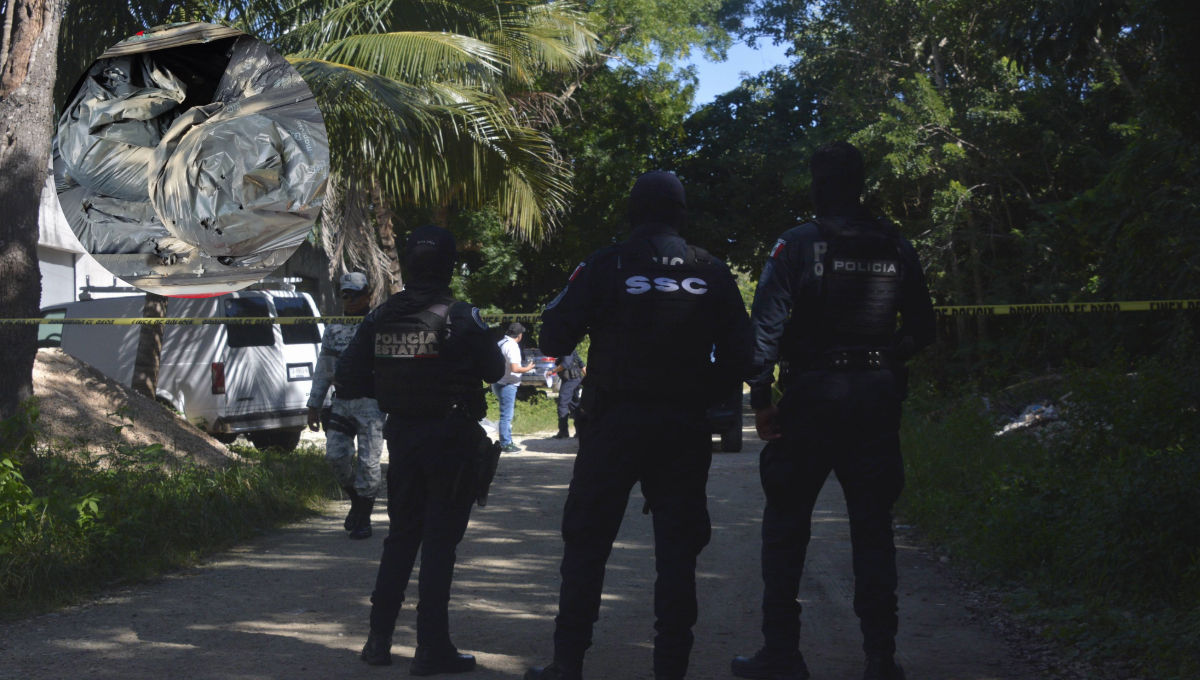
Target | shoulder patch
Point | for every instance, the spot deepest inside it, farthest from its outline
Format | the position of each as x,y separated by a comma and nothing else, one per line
577,269
768,269
478,318
778,247
558,299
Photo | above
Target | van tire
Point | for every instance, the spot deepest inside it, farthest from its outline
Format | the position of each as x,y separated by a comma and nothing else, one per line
224,437
284,440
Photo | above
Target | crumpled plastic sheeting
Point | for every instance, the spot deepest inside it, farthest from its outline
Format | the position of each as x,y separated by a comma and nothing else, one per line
112,226
107,135
243,177
62,179
253,69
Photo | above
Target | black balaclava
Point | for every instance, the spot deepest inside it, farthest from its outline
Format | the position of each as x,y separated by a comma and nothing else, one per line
657,198
429,257
838,178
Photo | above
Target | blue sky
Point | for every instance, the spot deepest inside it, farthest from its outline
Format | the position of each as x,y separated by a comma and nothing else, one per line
719,78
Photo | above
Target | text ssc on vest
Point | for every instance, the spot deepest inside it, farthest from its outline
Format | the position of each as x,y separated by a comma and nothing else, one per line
641,284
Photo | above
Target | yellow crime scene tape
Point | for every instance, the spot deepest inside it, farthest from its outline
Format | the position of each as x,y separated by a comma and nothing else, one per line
245,321
1069,308
959,310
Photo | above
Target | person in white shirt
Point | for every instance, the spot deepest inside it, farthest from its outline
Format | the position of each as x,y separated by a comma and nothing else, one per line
506,388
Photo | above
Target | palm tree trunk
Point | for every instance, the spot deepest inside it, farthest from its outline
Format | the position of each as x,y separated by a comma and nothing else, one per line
26,107
387,236
149,351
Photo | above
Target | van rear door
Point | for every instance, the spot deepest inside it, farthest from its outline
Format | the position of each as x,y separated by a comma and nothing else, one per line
255,380
301,345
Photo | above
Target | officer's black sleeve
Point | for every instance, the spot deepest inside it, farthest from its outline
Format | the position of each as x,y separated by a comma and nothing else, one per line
918,322
569,316
354,376
487,359
770,312
734,340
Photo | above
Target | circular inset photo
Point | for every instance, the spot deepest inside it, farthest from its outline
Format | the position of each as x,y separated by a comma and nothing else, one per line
191,159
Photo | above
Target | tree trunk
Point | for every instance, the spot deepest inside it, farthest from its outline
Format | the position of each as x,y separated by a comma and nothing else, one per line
26,109
387,236
976,274
960,294
149,351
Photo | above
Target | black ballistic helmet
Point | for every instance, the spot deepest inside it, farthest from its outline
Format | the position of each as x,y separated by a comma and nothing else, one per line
657,197
838,175
430,254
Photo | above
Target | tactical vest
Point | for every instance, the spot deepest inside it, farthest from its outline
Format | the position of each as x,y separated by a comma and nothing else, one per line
859,285
571,369
659,338
413,376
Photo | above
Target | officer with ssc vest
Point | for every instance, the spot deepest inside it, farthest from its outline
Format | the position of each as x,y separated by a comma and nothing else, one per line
825,311
424,357
644,418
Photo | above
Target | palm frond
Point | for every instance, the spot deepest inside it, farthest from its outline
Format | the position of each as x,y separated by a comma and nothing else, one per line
419,57
430,144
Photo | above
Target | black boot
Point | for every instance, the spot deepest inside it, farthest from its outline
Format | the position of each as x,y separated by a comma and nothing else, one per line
883,668
352,516
429,663
378,650
563,432
769,665
551,672
362,523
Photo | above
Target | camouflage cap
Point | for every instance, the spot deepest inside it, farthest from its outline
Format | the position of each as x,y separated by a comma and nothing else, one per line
354,281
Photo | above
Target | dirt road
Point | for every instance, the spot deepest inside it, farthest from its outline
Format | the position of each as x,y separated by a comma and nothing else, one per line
294,604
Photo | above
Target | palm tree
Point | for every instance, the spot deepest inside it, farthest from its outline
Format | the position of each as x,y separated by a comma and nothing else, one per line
427,102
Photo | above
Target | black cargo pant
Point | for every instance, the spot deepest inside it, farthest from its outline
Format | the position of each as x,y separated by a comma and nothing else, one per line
668,449
849,423
431,489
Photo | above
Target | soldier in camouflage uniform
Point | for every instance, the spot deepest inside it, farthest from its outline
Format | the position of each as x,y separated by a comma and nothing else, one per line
347,418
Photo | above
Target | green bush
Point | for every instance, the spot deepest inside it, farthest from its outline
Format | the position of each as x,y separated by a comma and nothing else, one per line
1097,525
74,522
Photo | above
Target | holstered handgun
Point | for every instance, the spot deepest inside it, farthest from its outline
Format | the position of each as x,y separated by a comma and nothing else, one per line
332,422
489,460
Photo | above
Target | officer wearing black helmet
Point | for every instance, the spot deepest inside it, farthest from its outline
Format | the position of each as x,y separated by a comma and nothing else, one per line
826,307
424,357
644,418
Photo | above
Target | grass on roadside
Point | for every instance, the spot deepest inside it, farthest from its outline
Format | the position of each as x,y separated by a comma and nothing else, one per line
71,524
532,413
1095,530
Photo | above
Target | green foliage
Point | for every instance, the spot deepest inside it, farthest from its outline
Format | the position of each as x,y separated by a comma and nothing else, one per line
1024,146
1095,521
73,522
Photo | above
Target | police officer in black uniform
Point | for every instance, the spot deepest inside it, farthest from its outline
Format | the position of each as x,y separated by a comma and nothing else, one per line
570,370
424,357
826,307
644,418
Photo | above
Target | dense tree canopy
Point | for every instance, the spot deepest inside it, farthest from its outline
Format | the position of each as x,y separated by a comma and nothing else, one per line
1035,151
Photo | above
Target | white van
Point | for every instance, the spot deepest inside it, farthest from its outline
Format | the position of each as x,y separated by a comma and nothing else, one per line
226,379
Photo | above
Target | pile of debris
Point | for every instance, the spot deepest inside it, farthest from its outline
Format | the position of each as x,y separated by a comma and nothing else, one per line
81,408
